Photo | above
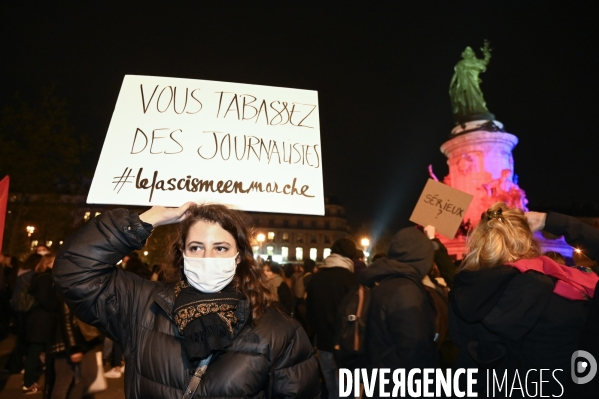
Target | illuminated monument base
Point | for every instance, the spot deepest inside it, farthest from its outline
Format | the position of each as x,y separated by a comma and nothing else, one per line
479,156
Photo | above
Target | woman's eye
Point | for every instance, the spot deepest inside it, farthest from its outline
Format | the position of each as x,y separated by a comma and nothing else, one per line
195,248
222,249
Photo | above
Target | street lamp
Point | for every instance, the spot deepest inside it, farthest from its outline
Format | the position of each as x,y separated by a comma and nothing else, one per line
30,230
365,243
260,238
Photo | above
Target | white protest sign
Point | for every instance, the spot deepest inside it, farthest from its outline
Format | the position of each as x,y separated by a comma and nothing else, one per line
172,140
441,206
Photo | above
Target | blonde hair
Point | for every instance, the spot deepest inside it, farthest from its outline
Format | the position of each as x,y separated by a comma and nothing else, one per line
45,263
502,236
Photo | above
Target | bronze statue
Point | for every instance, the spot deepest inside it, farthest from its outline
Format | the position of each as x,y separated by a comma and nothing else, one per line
467,100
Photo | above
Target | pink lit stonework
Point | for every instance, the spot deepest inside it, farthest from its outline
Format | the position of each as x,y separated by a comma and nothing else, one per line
479,155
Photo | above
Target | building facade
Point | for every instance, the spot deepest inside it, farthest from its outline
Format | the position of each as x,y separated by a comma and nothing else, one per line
293,238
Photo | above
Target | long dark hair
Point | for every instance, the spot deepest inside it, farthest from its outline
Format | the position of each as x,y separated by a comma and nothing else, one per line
249,279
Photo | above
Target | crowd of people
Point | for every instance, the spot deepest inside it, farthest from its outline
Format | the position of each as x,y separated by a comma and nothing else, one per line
50,339
216,321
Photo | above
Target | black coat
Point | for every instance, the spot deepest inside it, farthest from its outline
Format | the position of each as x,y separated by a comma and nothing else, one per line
585,237
41,318
270,358
401,318
503,319
324,292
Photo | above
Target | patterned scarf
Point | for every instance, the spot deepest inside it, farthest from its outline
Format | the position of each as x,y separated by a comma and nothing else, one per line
207,321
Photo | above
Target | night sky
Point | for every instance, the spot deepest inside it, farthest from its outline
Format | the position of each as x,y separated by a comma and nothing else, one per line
382,73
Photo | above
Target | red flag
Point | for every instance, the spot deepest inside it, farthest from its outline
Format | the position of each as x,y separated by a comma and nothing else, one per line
3,202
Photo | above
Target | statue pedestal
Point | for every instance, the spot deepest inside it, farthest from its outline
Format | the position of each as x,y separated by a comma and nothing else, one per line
479,155
476,158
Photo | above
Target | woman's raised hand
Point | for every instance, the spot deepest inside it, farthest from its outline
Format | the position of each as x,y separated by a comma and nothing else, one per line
536,220
159,215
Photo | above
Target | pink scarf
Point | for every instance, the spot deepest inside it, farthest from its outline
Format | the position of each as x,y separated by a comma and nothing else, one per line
571,283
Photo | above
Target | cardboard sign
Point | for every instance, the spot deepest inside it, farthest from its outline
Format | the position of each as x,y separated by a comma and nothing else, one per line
171,140
441,206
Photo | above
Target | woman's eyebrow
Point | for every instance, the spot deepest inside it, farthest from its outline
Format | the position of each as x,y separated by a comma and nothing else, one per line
221,243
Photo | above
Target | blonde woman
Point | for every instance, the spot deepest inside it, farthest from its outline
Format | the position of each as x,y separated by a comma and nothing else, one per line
515,312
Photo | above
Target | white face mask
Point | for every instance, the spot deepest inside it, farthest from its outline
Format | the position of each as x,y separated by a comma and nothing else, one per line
209,274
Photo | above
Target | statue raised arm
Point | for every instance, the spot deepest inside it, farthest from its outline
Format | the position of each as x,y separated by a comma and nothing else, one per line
467,100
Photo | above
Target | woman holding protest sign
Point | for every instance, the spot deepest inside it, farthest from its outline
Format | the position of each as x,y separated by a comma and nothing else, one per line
209,328
514,312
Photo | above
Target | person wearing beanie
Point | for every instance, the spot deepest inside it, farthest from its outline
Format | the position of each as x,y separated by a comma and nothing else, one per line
401,316
325,291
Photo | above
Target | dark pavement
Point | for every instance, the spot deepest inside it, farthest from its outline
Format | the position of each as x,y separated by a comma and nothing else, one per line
10,384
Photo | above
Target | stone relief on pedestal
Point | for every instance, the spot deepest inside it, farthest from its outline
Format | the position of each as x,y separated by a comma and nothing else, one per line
505,190
465,164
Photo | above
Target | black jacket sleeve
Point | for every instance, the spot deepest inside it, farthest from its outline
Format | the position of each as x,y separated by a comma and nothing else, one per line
99,293
576,233
296,372
68,334
444,263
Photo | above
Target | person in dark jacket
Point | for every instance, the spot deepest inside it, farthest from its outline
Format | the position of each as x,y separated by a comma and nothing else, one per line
325,291
5,294
514,312
21,281
585,238
213,313
74,355
40,320
299,291
401,318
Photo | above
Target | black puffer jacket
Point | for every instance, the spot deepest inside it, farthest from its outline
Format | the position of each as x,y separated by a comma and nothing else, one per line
271,358
502,319
401,319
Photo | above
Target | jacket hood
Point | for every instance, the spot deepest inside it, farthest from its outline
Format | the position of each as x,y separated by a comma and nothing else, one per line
475,293
384,268
413,248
